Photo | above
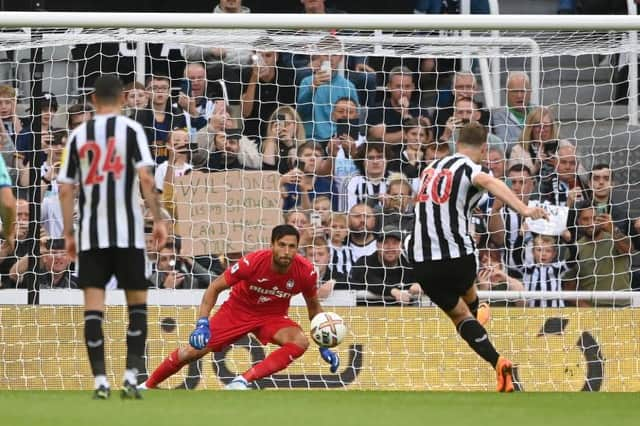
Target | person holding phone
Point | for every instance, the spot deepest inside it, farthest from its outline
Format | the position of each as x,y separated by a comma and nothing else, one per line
285,133
192,97
346,138
320,91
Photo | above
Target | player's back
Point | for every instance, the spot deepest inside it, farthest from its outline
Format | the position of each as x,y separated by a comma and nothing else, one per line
103,156
443,209
259,290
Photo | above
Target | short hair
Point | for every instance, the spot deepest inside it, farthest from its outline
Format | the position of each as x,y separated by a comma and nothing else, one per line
330,44
337,216
108,89
281,231
600,166
133,85
7,91
400,70
319,242
347,99
410,123
315,146
157,77
399,178
519,168
174,244
321,198
77,109
497,149
545,239
364,149
463,74
473,134
517,74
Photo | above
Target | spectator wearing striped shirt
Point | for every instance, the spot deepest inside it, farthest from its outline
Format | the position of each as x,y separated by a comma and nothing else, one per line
370,186
340,250
545,274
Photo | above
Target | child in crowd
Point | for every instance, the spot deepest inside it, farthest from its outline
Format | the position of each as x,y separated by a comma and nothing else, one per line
340,252
545,274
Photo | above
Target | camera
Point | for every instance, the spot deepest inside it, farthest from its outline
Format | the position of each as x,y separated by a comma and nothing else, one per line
185,86
350,128
550,148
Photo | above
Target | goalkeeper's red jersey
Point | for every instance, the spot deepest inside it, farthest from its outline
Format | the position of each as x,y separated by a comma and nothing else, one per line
257,290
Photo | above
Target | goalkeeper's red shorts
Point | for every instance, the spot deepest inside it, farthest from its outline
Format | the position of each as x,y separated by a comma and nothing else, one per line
228,325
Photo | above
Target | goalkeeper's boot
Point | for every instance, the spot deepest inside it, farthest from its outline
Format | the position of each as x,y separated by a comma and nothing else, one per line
102,392
142,386
484,313
130,391
504,375
239,383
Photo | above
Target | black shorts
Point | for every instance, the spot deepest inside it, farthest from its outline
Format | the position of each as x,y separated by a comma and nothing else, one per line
445,281
96,267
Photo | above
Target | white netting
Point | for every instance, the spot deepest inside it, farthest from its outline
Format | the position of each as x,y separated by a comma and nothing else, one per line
230,204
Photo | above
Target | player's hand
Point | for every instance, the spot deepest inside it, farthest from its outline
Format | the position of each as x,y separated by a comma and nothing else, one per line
536,213
70,246
200,336
330,358
159,234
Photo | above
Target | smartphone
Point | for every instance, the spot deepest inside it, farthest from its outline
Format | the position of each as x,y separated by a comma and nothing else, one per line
550,148
350,128
601,209
325,66
185,86
315,219
193,146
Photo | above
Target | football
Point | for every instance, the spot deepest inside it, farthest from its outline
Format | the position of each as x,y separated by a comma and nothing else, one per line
328,329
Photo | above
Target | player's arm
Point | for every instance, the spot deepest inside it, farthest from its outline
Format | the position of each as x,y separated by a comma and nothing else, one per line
496,224
8,213
150,195
502,192
313,306
200,336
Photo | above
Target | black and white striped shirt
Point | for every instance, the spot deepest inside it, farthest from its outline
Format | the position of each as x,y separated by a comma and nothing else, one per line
443,209
518,245
361,189
341,258
103,156
544,277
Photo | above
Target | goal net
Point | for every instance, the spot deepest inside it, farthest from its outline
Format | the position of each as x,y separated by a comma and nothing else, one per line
329,131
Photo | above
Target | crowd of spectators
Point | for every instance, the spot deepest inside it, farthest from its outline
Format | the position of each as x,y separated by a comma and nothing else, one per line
349,142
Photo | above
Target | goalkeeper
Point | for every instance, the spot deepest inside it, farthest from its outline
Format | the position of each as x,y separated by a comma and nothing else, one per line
262,284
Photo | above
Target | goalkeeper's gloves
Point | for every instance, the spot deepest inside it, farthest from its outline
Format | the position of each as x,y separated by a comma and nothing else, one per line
330,358
200,336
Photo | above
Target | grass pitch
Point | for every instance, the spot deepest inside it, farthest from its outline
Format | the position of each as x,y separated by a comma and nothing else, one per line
322,408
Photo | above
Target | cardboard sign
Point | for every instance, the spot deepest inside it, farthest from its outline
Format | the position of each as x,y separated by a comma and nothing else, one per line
227,212
557,222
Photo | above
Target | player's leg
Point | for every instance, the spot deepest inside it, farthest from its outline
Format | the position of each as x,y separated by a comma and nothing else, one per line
172,364
94,271
130,273
293,344
479,310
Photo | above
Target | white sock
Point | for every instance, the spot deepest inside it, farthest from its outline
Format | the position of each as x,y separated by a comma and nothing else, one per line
101,380
131,376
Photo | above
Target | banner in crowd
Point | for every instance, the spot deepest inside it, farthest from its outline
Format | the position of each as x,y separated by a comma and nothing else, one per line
227,212
388,349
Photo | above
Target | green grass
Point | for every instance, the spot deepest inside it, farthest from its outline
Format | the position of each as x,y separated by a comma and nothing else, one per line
326,408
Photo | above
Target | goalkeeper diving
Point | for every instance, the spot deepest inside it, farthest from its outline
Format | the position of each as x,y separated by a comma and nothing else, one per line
262,284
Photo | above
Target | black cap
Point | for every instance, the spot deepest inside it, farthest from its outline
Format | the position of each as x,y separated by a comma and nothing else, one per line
390,232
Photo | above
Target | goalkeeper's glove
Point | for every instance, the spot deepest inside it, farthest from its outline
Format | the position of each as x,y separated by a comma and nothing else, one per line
331,358
200,336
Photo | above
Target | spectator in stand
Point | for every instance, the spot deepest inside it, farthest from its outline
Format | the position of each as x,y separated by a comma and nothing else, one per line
319,91
410,159
356,69
224,64
540,132
178,164
219,119
51,213
602,261
436,151
329,278
463,86
285,134
508,122
78,114
465,111
322,207
397,204
370,185
506,226
363,226
178,272
345,139
546,271
269,86
10,121
233,152
386,273
136,97
615,201
25,140
9,254
495,162
562,180
492,275
161,118
385,122
195,102
338,243
300,219
52,270
302,184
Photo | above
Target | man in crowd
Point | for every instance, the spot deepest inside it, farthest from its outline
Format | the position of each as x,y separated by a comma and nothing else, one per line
507,122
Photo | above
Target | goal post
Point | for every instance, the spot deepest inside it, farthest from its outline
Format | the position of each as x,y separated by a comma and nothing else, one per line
573,64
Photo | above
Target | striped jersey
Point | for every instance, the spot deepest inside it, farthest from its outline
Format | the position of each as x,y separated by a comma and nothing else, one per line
443,209
103,156
544,277
518,245
360,189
